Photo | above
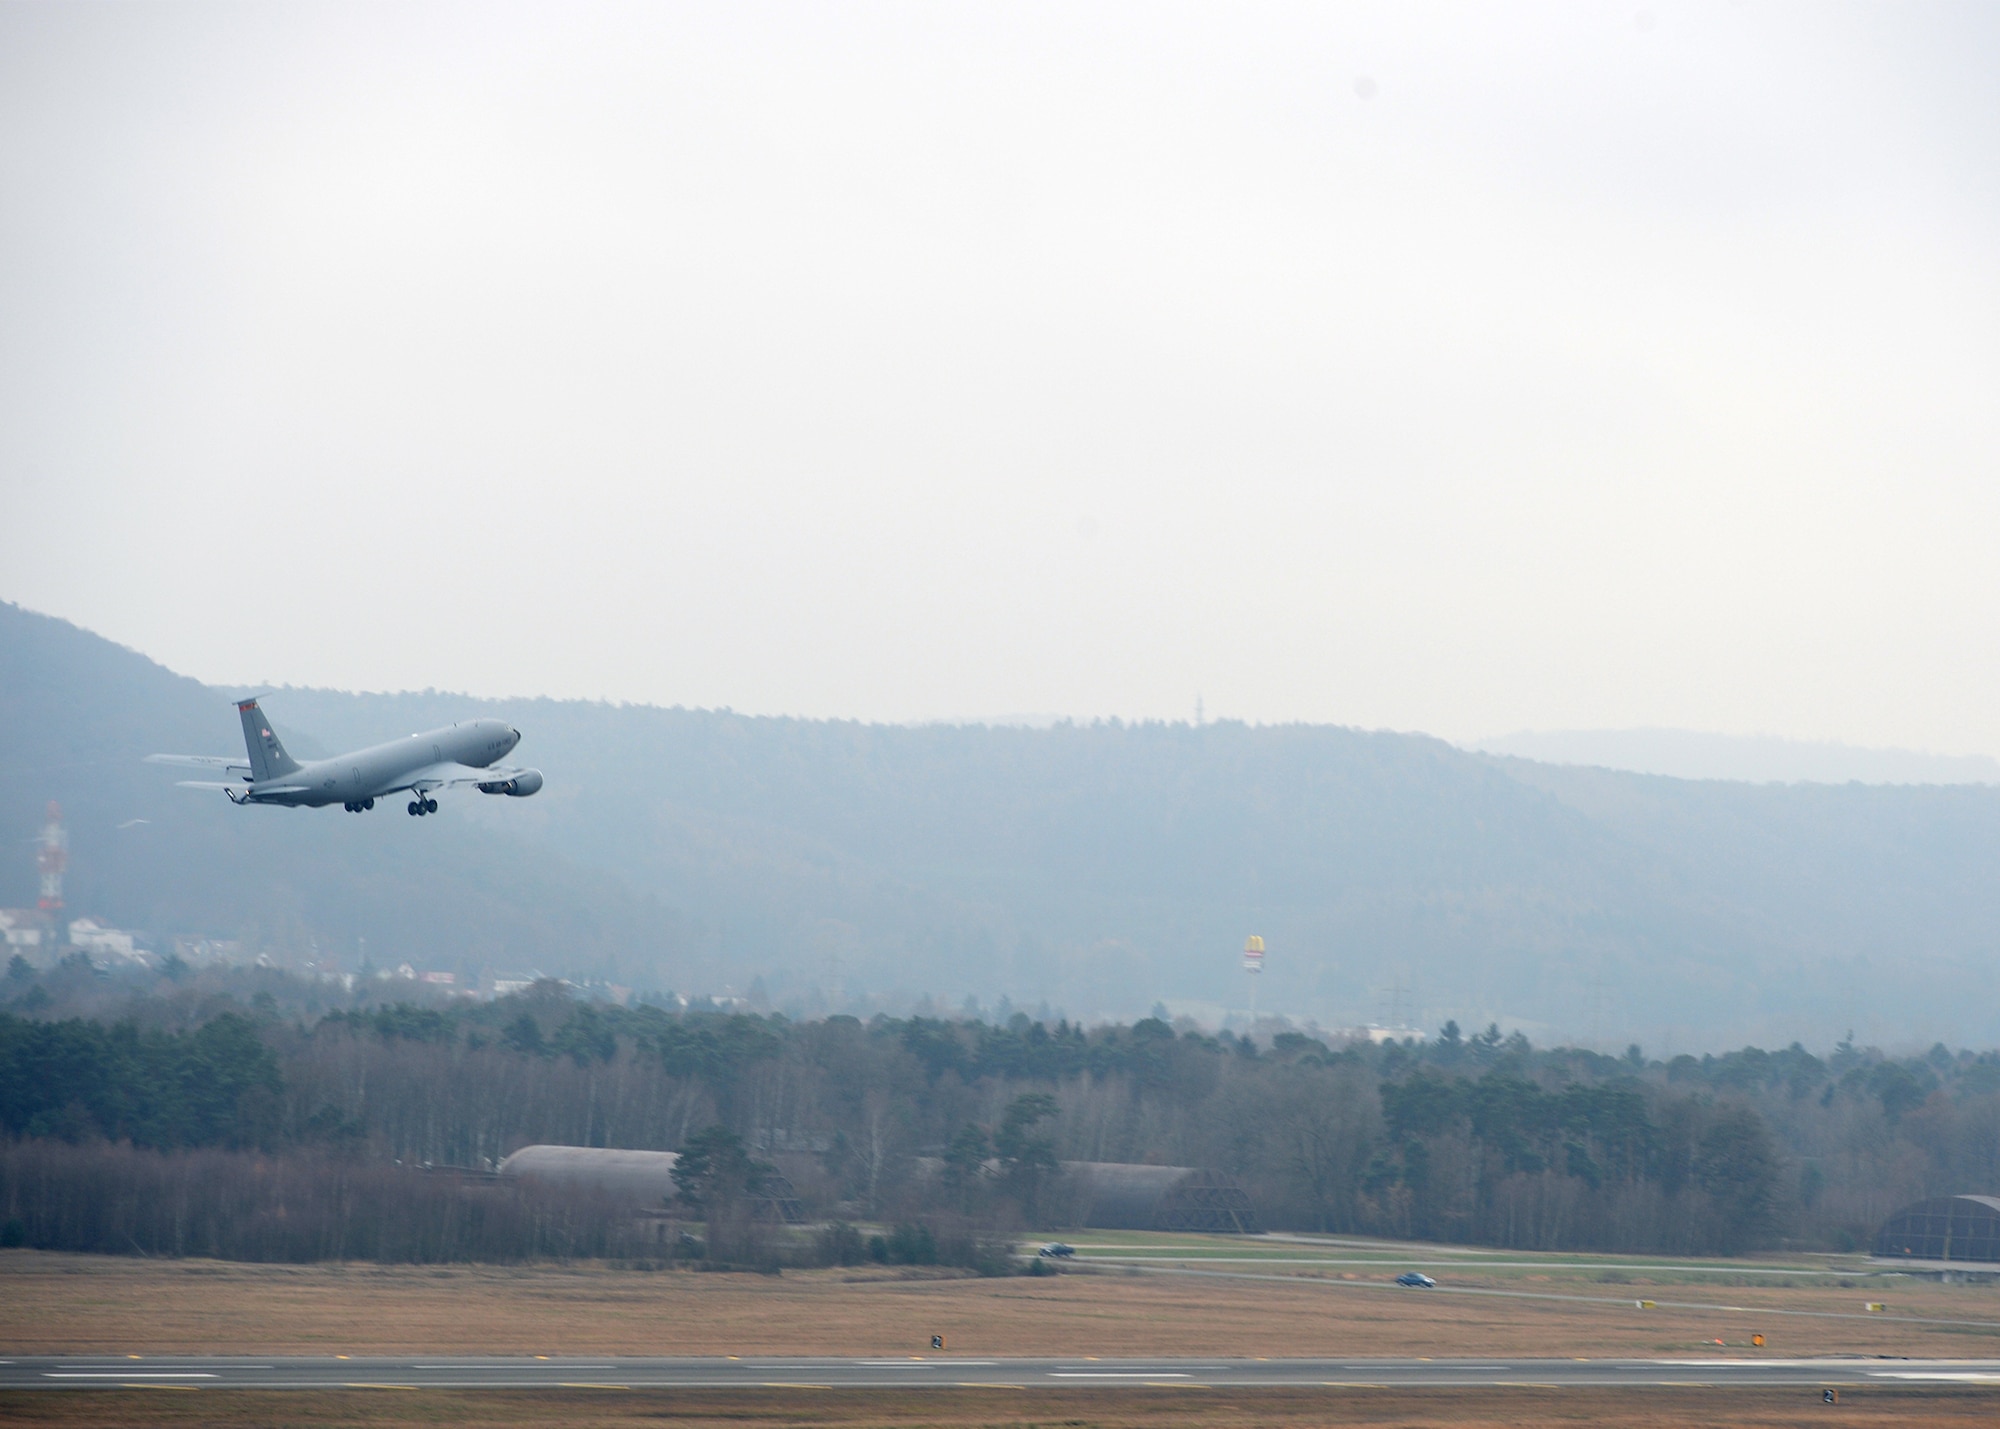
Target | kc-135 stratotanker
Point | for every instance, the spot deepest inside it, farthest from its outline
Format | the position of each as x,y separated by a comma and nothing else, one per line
420,765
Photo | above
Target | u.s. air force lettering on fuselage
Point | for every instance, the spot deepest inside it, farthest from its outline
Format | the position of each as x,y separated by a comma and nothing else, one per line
422,764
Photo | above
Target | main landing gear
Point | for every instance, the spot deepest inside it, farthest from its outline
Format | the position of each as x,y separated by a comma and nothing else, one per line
358,806
420,806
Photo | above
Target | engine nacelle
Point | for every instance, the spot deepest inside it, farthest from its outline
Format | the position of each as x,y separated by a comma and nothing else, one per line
520,786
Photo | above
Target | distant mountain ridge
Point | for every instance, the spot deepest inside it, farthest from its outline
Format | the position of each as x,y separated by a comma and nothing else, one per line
1755,759
1101,867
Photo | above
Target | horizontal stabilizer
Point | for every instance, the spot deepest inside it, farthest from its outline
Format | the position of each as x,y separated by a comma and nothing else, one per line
226,763
243,793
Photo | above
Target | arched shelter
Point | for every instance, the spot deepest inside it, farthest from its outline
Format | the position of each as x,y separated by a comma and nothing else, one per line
644,1179
1943,1228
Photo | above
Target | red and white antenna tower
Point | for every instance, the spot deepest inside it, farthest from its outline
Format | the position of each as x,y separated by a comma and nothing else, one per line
51,858
1253,963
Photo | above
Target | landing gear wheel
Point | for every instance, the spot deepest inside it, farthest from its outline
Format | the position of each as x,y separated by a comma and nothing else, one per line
369,802
430,806
415,807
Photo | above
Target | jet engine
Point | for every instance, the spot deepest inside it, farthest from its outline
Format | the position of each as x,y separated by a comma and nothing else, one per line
520,786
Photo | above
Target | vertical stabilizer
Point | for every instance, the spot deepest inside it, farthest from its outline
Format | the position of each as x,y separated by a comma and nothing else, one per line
268,759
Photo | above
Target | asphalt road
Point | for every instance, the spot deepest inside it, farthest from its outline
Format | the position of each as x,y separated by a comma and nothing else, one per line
951,1371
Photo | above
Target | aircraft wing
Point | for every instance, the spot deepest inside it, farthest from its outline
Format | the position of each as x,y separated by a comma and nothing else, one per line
220,762
206,784
451,776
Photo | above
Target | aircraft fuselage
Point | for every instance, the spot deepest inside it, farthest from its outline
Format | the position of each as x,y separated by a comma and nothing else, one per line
383,768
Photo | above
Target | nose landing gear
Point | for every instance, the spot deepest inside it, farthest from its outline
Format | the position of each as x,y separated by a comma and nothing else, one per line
421,806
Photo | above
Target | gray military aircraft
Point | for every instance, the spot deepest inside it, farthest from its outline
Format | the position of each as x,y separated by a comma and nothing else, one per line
459,754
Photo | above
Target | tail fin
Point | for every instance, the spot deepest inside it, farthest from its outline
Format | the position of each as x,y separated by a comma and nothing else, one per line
268,759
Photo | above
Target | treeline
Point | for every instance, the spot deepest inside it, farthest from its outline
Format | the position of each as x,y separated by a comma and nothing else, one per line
217,1085
1483,1138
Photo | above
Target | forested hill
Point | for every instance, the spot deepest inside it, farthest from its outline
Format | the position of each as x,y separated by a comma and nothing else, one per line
1104,865
77,716
1100,867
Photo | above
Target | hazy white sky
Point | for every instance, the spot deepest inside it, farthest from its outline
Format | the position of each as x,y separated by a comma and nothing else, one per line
1462,368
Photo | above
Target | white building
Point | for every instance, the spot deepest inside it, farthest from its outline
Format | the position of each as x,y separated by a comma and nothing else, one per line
1379,1034
21,928
208,950
90,936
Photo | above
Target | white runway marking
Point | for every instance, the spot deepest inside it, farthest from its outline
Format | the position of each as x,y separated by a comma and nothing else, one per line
124,1374
1115,1374
1953,1376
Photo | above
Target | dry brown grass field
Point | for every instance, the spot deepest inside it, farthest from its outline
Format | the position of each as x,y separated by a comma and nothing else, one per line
52,1303
974,1409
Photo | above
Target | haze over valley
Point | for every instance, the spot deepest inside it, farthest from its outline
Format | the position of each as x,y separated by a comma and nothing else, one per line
1756,759
1094,869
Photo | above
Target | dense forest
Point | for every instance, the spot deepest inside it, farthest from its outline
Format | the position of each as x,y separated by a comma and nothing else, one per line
307,1118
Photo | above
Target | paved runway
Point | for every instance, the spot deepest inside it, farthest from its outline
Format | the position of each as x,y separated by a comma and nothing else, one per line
950,1371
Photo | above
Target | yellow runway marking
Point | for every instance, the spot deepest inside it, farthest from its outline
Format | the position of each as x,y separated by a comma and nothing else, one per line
186,1388
775,1384
575,1384
379,1386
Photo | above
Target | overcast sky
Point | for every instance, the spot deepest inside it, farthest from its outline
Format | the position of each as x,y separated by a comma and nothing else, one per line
1464,368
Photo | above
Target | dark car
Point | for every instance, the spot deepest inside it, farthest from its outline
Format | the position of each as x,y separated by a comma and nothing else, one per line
1057,1250
1416,1280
